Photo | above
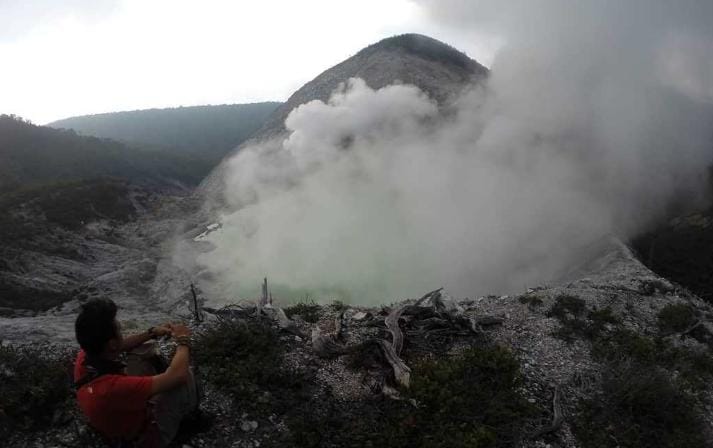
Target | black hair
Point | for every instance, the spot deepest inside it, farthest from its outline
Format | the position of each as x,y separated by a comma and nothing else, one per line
94,326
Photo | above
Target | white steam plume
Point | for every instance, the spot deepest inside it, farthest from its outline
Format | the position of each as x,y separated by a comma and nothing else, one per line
584,129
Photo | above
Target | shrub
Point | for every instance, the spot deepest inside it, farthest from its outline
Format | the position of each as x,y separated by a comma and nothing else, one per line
640,407
599,321
532,301
245,360
469,400
308,310
676,317
567,307
698,368
570,311
624,345
621,346
240,357
642,404
651,286
338,306
32,387
472,400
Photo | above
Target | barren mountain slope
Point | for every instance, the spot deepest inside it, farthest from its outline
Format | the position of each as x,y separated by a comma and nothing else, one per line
436,68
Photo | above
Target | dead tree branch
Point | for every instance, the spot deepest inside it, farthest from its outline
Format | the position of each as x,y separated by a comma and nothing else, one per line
392,323
196,308
557,416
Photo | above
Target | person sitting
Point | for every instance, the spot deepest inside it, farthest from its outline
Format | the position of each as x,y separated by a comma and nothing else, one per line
138,404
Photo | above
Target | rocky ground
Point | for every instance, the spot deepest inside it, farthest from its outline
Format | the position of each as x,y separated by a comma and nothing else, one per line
121,259
560,334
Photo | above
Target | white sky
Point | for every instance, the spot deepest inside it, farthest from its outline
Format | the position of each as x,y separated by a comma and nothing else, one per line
75,57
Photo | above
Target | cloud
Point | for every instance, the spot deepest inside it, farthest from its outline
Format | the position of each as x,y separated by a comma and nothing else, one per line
20,18
80,57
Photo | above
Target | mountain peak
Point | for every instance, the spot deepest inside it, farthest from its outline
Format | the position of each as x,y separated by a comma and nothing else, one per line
424,47
433,66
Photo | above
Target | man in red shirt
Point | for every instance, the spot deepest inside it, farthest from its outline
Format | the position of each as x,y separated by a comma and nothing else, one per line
143,408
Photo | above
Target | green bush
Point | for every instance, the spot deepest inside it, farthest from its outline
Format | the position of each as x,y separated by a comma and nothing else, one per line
469,400
695,367
567,307
32,387
240,357
622,345
245,359
640,407
568,310
577,321
599,321
649,388
308,310
676,317
649,395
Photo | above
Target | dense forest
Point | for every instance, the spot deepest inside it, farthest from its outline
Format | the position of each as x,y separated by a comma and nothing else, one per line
206,132
33,155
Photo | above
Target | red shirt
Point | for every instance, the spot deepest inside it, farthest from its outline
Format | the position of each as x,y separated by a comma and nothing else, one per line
116,405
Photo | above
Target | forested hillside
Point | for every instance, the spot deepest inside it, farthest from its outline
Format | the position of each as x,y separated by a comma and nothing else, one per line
33,155
208,132
70,209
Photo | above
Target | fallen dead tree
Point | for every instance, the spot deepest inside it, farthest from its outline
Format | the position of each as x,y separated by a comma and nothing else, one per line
429,316
432,317
557,416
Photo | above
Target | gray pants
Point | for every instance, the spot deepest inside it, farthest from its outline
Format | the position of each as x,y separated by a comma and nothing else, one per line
169,407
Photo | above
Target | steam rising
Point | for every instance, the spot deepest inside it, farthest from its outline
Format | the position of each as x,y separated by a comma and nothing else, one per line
593,122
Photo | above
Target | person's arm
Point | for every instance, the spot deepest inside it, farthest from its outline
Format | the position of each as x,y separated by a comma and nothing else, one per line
133,341
177,372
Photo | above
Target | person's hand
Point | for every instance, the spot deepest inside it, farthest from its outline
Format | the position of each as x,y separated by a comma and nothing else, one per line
162,330
178,330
